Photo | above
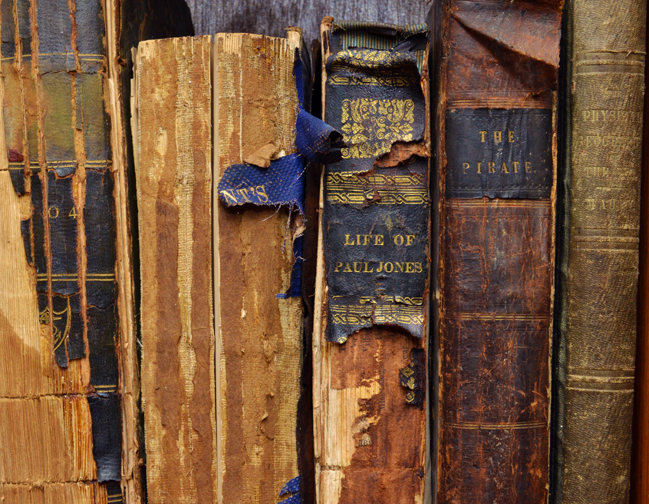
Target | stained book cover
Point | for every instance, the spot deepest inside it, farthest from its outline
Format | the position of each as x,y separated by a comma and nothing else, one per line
171,117
370,351
495,93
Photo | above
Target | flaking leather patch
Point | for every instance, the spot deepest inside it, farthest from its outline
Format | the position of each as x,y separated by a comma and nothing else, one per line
99,221
106,436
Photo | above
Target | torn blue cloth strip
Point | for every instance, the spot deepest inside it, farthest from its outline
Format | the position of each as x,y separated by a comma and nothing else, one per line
316,140
281,183
295,289
293,486
293,499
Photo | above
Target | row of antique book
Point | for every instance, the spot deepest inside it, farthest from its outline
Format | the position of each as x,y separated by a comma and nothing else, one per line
399,266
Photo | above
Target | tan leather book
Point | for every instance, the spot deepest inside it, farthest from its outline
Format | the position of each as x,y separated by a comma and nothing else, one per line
598,249
259,331
496,66
371,327
69,383
174,190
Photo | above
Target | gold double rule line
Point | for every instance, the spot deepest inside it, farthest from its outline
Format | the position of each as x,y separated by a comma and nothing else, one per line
530,424
73,277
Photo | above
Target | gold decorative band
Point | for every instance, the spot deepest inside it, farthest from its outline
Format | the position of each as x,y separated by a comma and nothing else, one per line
73,277
511,317
349,188
380,313
372,80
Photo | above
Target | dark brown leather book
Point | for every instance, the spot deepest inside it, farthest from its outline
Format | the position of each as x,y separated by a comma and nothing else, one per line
370,330
495,80
598,251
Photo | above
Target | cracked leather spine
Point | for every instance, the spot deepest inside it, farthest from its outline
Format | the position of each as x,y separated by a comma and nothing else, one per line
57,134
596,329
494,101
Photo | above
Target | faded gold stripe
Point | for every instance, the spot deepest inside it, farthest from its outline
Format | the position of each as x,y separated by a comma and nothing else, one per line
611,387
480,202
600,382
81,55
74,278
513,317
612,69
605,232
599,246
497,426
637,56
600,379
522,101
628,372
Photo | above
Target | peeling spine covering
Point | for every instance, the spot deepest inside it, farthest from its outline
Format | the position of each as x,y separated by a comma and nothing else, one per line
61,160
64,141
370,334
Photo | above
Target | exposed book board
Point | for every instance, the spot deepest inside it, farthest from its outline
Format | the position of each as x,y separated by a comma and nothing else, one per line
174,186
495,128
259,329
599,250
370,330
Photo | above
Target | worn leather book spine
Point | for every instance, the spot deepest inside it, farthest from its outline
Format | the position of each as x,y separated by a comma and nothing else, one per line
599,263
68,360
62,434
496,80
174,188
258,319
370,333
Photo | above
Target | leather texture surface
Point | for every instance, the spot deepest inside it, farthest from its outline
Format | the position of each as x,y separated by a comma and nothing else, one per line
596,333
496,68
